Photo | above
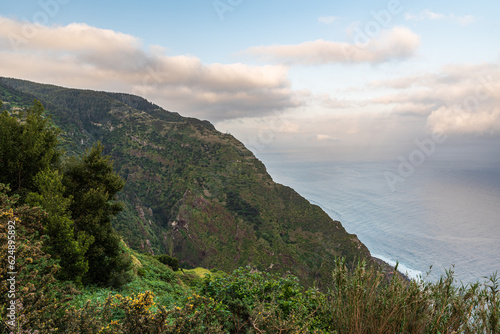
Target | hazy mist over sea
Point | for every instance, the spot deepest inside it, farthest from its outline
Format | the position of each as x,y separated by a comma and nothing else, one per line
445,213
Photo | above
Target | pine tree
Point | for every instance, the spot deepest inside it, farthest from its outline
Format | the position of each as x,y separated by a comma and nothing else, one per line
28,145
58,226
93,184
28,158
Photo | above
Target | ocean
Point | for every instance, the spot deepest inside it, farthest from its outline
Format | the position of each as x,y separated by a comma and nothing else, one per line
445,214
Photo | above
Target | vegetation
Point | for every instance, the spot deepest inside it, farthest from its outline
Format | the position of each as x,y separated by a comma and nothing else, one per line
247,301
59,228
172,262
39,297
92,184
77,197
27,147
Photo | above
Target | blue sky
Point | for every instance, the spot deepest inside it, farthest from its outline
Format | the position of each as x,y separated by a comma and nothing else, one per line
345,80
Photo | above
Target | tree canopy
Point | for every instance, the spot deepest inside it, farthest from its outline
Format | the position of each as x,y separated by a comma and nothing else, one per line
28,145
77,196
93,184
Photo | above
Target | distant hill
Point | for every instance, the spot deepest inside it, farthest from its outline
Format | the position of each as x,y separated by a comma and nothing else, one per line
193,192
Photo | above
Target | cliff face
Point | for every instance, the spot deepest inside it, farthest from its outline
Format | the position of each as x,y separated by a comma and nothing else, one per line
193,192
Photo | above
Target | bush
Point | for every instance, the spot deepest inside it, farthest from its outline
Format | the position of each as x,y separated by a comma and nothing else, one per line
259,300
172,262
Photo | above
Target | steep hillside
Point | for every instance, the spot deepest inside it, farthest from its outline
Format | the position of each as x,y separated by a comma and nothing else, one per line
193,192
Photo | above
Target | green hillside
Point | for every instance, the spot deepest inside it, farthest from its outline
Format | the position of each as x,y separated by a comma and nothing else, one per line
191,191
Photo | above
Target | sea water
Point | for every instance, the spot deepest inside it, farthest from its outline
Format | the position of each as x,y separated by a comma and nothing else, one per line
446,214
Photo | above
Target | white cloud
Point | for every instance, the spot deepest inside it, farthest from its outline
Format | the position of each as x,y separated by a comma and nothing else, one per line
322,137
328,19
457,120
397,43
82,56
461,101
424,15
458,99
429,15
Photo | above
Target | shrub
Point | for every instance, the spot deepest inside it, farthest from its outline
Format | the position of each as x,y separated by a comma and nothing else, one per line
172,262
245,291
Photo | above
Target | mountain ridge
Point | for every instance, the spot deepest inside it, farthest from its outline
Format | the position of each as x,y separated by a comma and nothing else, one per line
193,192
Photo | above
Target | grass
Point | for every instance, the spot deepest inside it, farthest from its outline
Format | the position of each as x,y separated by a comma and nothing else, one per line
362,302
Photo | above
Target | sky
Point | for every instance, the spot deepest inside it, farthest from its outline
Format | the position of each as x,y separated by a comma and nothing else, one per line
315,80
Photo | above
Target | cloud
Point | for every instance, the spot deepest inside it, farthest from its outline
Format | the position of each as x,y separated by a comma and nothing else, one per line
424,15
355,135
457,120
397,83
428,15
325,100
457,99
413,109
397,43
328,19
82,56
322,137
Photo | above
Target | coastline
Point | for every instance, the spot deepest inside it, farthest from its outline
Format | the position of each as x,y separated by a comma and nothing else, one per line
388,268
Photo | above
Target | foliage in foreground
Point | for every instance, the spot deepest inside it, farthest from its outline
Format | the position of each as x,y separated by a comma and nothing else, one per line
39,298
246,301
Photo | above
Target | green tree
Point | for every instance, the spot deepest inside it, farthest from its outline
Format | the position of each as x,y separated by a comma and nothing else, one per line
93,184
28,145
78,201
58,226
28,158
